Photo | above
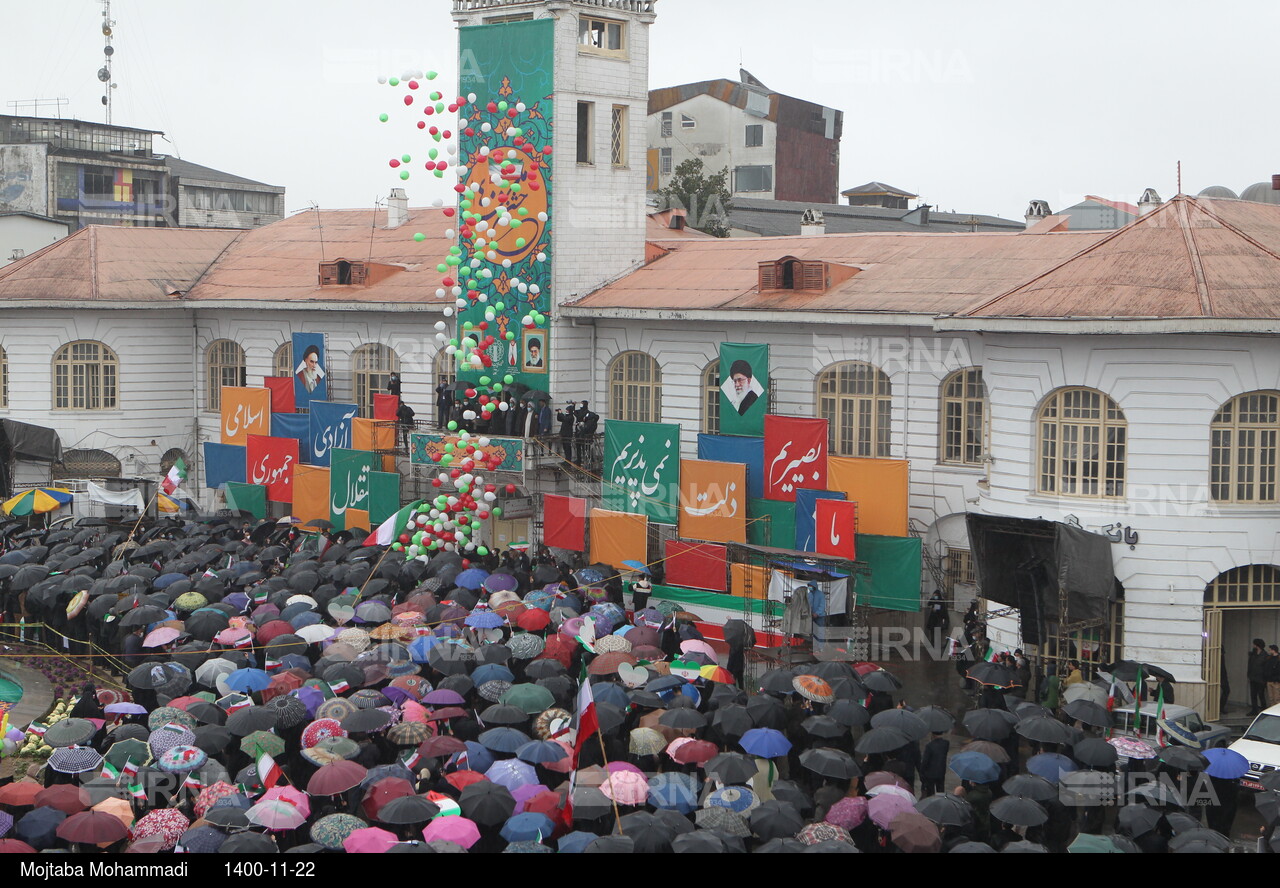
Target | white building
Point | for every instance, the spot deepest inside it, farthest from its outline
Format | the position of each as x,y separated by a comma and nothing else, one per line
22,233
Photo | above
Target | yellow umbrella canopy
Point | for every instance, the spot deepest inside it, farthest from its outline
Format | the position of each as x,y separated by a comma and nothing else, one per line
36,501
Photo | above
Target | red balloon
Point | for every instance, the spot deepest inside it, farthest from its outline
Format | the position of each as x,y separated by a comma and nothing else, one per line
482,515
394,163
435,482
413,84
422,124
510,488
408,100
428,110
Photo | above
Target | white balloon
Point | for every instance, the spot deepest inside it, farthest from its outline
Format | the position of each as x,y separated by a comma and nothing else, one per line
440,325
471,97
448,312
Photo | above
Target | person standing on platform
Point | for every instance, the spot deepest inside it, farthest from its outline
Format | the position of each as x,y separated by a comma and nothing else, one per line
444,401
567,420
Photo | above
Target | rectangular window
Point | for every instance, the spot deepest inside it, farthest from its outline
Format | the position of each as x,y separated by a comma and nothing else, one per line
664,161
666,124
687,122
618,136
753,178
755,135
601,36
586,118
99,185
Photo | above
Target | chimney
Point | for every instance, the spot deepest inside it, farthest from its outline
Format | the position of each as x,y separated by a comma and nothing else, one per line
811,223
1036,210
1149,201
397,208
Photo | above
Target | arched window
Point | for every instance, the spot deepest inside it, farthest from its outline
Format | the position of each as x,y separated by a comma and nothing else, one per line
86,464
711,398
855,399
635,388
1082,441
4,378
224,362
1242,467
964,418
1246,586
446,366
282,362
170,457
372,366
85,377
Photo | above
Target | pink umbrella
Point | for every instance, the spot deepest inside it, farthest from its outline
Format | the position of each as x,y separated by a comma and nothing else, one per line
276,814
564,765
211,794
370,841
883,808
231,636
292,796
414,712
613,767
626,788
166,824
160,637
458,830
697,645
848,812
522,794
891,789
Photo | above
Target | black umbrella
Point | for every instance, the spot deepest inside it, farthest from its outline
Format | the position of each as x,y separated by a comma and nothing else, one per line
1137,820
213,739
1127,670
1018,811
988,724
1029,786
907,722
142,616
778,681
879,740
824,727
775,820
1181,758
364,721
881,680
731,768
767,712
1088,712
1095,752
408,810
1042,729
248,843
946,809
849,713
488,804
27,576
244,722
289,711
204,624
1210,837
993,675
651,834
828,762
682,719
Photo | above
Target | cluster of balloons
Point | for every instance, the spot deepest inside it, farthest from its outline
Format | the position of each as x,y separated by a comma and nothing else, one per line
447,521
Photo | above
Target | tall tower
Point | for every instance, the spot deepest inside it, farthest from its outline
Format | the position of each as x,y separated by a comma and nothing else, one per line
599,58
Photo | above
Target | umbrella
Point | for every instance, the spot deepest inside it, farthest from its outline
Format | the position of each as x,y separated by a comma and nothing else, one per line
503,740
1137,820
975,767
1086,691
762,742
1050,765
1042,729
458,830
531,698
625,788
811,687
37,501
731,767
487,803
408,810
881,680
914,833
74,760
674,791
988,724
1018,811
1088,712
1226,764
70,732
528,827
1211,839
167,824
775,820
336,777
1180,758
937,719
65,797
332,830
39,827
1095,752
849,713
1131,747
828,762
1029,786
249,843
945,809
1128,670
92,828
882,809
878,740
246,721
511,773
260,742
276,814
906,722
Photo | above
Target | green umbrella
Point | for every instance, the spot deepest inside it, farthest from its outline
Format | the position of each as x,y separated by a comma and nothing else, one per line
532,698
258,742
124,751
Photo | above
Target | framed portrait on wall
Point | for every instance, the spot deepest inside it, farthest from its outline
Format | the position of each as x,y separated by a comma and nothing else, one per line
534,348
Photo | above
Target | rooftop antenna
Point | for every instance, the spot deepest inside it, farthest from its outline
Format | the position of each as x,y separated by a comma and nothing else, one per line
35,105
1179,177
319,227
104,73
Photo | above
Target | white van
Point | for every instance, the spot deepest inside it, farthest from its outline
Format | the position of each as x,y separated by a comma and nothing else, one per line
1261,746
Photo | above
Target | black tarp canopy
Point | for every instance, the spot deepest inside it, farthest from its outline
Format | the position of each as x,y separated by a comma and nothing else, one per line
21,440
1024,562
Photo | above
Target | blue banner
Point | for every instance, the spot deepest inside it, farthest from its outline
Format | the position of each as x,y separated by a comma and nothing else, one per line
330,427
292,425
807,515
731,448
310,370
223,463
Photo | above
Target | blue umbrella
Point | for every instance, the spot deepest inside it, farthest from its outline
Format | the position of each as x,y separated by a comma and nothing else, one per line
575,842
476,758
1226,764
491,672
665,683
166,580
528,826
539,752
765,743
544,598
503,740
246,681
513,774
975,767
38,828
484,619
735,798
674,792
1050,765
421,646
637,565
472,578
610,693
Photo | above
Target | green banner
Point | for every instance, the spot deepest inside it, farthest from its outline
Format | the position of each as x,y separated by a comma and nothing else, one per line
384,496
509,67
430,448
695,598
894,582
252,498
771,523
349,483
744,388
642,469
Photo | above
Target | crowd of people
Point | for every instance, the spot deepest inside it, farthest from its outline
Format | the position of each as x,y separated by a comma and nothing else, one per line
287,690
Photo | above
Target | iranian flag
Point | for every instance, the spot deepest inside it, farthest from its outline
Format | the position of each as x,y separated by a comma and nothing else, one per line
1113,697
1161,739
177,474
390,529
268,771
584,721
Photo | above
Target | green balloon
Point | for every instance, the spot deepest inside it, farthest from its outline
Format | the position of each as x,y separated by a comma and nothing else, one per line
419,237
383,117
496,511
431,75
508,379
482,551
484,380
404,158
404,174
394,81
453,425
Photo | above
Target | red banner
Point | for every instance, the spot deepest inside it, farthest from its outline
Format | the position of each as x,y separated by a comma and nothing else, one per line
835,528
564,522
270,462
697,565
281,388
385,406
795,456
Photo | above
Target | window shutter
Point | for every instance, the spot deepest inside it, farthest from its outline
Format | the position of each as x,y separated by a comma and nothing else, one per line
328,273
768,276
815,276
358,272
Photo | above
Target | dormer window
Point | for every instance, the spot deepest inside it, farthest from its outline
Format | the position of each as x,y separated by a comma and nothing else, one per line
342,272
790,273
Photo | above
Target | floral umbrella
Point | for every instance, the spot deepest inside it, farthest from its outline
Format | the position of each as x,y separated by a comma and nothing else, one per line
167,824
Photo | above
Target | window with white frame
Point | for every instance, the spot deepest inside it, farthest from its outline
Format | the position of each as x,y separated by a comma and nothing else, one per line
85,377
964,413
665,163
856,400
282,361
1243,449
372,366
618,136
224,361
1082,441
602,36
635,388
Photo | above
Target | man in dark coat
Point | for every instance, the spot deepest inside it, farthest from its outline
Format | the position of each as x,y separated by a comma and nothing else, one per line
566,418
933,764
585,431
1256,674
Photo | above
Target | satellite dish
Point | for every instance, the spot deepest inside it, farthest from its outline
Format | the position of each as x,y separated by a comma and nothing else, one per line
103,74
106,30
108,50
104,100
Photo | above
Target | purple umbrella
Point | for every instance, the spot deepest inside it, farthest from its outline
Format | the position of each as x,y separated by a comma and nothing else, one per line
484,619
124,709
511,773
883,808
444,697
501,582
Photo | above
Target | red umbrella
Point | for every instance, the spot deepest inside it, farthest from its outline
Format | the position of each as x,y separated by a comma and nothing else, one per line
440,746
559,648
165,824
92,828
547,802
20,794
273,630
607,664
643,636
384,791
67,798
335,777
183,702
13,846
695,752
446,713
462,779
534,620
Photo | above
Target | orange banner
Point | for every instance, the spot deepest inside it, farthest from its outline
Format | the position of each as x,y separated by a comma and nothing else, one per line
748,578
617,537
878,486
357,518
245,412
713,501
310,493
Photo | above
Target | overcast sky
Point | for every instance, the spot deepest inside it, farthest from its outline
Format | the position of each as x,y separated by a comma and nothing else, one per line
977,106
